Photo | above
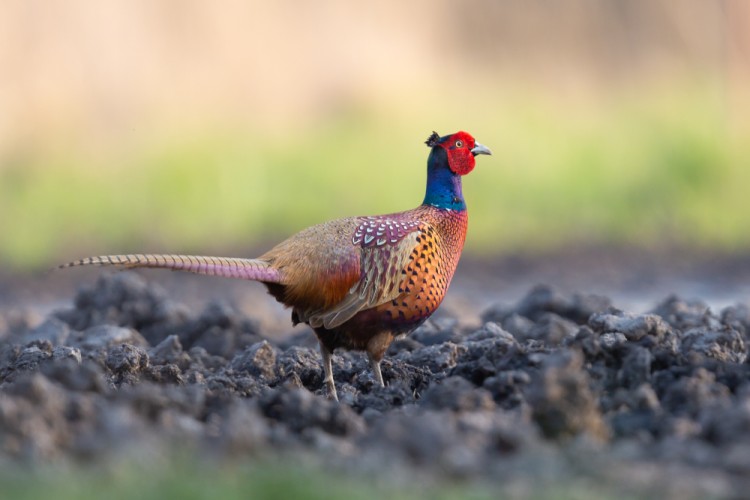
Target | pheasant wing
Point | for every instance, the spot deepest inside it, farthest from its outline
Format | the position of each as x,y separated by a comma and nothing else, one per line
385,244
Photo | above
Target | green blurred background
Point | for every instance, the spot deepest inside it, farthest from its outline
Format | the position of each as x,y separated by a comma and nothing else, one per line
222,127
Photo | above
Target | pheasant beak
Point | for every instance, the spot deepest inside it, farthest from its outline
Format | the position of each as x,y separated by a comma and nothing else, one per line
480,149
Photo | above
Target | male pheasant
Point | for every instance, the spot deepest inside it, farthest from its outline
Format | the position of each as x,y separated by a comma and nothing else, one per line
359,282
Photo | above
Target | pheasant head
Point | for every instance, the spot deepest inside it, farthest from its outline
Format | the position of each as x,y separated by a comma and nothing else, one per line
451,157
461,148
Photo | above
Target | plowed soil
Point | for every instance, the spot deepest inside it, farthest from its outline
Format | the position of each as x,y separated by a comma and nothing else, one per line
551,386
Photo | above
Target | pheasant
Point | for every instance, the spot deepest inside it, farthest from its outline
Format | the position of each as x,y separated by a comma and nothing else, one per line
358,282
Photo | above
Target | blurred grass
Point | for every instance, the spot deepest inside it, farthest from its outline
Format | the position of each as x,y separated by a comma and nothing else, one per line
649,168
205,479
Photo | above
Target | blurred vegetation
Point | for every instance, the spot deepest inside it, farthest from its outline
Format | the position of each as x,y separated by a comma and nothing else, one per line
206,479
143,126
658,170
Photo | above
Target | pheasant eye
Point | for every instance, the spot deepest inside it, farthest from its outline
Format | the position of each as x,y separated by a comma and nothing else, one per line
459,144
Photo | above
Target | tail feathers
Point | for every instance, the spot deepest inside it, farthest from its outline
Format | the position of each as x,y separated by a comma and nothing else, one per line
228,267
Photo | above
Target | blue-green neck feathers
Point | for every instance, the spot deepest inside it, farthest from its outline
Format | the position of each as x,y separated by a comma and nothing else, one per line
443,186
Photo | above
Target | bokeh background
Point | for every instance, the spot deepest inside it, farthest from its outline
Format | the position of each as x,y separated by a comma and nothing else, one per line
192,126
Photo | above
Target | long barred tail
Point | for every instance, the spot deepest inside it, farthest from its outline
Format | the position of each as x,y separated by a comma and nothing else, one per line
228,267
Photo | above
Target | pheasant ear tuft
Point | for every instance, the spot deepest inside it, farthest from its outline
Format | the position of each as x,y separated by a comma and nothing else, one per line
433,140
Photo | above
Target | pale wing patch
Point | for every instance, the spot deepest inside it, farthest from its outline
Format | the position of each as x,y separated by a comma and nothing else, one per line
382,230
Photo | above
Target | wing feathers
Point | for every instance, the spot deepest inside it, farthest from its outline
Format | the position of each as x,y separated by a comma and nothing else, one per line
381,267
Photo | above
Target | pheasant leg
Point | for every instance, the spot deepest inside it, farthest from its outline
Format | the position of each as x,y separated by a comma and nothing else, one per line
328,371
375,366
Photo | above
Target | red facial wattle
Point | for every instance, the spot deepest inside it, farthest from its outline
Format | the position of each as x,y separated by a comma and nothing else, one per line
458,148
